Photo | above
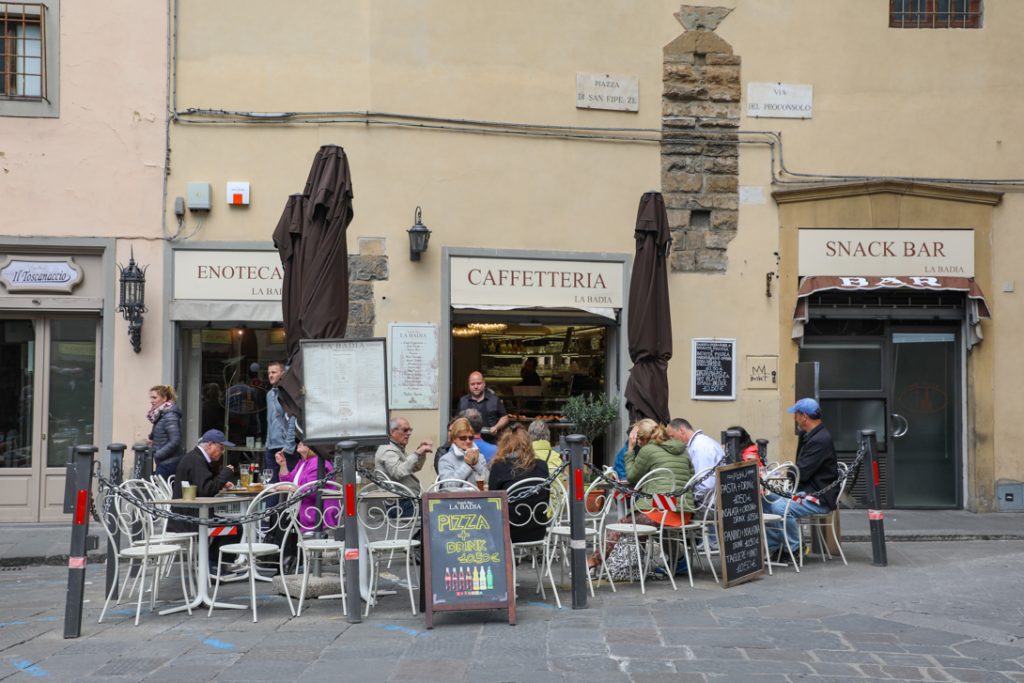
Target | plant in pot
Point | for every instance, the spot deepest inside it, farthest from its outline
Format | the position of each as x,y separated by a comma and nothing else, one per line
592,414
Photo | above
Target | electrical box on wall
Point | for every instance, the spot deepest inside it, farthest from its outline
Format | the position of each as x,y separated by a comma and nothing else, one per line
238,193
198,196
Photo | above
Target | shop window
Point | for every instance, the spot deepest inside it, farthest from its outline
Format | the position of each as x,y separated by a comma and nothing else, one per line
29,39
935,13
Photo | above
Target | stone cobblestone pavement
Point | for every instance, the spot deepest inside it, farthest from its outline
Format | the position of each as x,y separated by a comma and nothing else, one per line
938,612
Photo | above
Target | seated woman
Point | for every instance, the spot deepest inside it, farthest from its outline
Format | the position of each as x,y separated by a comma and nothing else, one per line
463,460
515,461
651,448
306,471
748,449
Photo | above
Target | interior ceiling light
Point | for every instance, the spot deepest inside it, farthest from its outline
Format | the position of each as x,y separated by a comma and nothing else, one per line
465,332
488,327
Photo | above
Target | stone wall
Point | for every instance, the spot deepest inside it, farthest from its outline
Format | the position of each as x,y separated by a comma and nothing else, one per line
700,151
364,268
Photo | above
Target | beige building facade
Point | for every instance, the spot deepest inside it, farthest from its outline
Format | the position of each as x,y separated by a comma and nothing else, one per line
796,166
82,154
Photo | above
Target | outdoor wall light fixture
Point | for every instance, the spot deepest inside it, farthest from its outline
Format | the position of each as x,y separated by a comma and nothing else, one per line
419,235
133,299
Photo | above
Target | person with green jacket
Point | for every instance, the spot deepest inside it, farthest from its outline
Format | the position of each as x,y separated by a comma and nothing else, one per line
650,448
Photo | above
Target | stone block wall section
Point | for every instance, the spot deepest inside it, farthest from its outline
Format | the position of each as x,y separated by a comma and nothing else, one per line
364,268
699,149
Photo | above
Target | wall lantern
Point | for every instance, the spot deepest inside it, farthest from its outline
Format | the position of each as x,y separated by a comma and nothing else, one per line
419,235
133,299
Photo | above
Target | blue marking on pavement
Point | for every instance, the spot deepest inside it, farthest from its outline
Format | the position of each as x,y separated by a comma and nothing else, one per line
540,604
30,668
19,622
219,644
47,619
121,611
401,629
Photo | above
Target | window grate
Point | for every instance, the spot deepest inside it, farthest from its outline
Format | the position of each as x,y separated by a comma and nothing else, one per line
935,13
23,51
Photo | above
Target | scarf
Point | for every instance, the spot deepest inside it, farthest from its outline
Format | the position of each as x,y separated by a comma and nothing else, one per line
154,413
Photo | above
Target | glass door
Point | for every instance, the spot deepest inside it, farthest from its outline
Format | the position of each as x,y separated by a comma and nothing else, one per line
48,398
925,425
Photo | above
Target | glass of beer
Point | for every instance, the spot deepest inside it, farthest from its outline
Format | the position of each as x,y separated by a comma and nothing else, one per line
481,484
245,478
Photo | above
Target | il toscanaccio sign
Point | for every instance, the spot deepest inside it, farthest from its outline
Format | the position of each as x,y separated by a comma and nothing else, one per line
886,252
502,282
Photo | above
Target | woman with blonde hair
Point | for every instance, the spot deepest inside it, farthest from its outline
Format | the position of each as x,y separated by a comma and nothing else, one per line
515,461
462,460
650,448
165,438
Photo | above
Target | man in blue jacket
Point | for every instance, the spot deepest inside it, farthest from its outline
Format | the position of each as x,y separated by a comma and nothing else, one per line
819,467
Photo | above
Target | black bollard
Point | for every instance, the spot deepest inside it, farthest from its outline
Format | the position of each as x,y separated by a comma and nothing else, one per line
79,531
876,518
762,451
116,451
577,513
339,530
732,446
143,466
353,558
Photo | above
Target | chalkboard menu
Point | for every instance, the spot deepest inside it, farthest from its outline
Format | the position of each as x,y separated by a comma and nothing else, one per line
740,544
467,560
713,370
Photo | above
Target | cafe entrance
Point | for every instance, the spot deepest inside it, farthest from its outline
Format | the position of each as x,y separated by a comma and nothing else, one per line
901,377
48,400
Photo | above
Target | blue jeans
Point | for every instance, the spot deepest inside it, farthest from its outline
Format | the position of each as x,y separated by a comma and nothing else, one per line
797,509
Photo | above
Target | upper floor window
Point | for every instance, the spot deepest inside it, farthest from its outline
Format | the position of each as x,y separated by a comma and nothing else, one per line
935,13
29,73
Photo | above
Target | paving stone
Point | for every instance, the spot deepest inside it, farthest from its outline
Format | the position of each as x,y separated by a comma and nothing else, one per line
178,673
430,670
833,669
983,650
582,664
977,676
131,665
905,672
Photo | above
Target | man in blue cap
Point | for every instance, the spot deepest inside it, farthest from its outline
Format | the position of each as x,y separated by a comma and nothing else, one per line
819,466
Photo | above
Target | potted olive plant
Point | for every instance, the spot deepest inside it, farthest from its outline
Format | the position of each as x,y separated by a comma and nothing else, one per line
592,414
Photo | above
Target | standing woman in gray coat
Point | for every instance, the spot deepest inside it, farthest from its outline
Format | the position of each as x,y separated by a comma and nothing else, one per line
165,439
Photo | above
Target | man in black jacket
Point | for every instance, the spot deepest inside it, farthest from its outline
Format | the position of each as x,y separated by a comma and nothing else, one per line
197,469
819,467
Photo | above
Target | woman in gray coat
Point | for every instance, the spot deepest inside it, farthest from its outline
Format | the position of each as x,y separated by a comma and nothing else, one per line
165,439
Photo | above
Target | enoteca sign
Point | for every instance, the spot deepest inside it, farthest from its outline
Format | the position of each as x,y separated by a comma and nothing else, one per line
40,275
882,252
219,275
508,282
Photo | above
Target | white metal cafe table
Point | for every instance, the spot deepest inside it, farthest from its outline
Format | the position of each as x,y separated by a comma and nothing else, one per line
204,505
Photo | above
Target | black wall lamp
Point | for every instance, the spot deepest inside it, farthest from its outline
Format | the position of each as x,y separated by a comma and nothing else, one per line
419,235
133,299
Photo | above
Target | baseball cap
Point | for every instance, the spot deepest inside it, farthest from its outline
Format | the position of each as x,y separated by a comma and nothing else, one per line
215,436
807,406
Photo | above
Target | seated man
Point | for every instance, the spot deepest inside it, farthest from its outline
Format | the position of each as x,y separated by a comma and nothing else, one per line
392,460
476,421
819,466
197,469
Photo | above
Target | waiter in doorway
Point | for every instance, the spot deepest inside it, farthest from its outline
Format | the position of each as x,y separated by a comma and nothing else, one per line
486,402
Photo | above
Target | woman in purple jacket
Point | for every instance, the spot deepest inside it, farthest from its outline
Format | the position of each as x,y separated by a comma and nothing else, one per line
306,471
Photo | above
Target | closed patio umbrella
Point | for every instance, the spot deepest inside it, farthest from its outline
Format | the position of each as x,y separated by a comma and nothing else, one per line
649,313
311,240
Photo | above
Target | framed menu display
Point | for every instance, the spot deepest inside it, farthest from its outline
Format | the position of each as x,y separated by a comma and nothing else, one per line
345,390
713,370
740,524
412,351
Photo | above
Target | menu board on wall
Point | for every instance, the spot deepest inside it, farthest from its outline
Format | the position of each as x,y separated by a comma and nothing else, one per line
412,350
467,553
739,522
713,370
345,390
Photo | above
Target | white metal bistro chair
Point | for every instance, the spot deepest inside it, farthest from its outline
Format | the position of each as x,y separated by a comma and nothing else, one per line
128,518
452,485
398,537
786,476
535,512
311,548
657,478
251,548
597,500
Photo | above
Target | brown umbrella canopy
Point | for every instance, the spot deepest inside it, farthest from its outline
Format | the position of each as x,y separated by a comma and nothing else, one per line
650,315
310,237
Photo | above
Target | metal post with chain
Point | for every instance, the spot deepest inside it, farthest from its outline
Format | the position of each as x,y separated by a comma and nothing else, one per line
116,451
84,456
577,534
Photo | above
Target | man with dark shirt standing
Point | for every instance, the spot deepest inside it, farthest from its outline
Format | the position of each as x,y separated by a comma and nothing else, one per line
486,402
819,466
